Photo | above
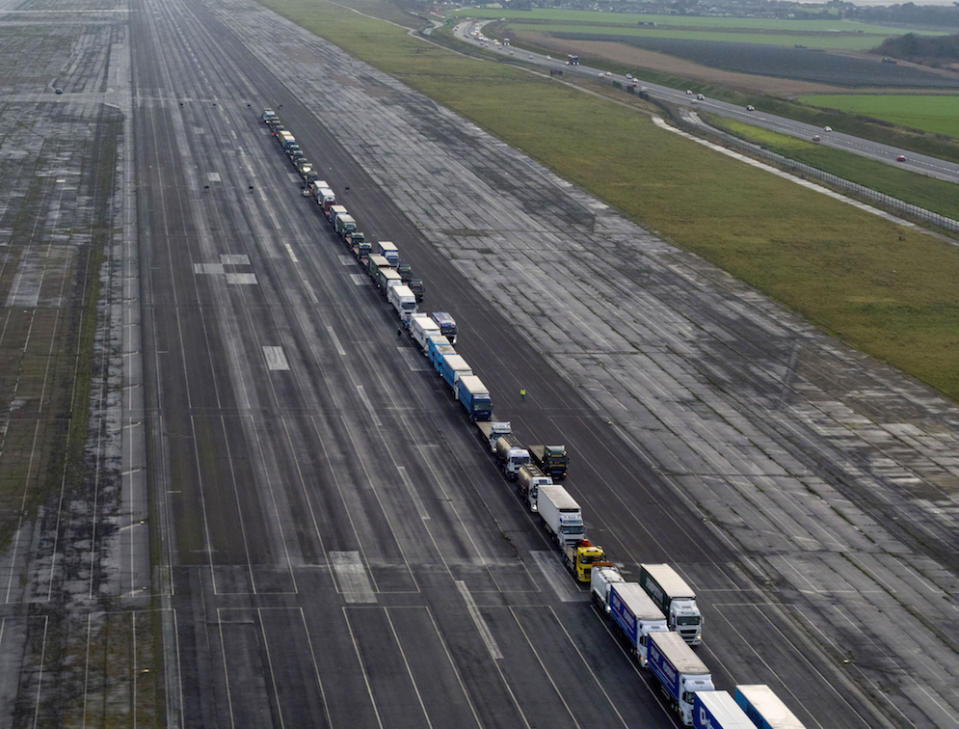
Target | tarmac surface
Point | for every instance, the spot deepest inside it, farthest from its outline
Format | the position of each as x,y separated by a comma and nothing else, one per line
327,543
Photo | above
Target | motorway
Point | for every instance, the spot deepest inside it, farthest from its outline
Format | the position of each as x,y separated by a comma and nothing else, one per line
330,546
919,163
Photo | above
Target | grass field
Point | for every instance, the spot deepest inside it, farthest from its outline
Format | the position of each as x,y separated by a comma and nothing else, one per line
936,195
887,290
586,17
938,114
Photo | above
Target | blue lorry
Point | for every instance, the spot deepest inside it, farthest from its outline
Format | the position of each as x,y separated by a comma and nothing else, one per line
679,672
474,396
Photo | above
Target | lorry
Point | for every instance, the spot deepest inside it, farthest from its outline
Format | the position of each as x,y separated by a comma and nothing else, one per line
675,598
529,478
511,455
375,261
344,224
325,197
636,616
417,287
561,514
402,301
386,278
447,325
452,368
405,271
718,710
678,671
422,326
284,138
582,557
492,430
389,251
359,245
474,396
599,583
269,114
550,459
764,709
333,211
317,185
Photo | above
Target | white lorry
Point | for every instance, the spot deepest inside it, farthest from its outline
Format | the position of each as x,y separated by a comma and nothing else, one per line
491,431
403,302
421,327
764,708
511,455
675,599
561,515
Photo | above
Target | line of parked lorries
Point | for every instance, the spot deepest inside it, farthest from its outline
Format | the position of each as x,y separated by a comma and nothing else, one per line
656,617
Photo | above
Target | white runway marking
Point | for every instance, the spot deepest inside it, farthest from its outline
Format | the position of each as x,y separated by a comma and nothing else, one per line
234,259
481,625
275,358
242,279
208,268
556,575
351,577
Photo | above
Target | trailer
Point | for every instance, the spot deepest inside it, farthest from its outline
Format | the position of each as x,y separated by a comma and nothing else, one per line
675,599
452,368
474,396
389,251
718,710
636,616
402,301
678,671
529,478
764,709
561,515
421,327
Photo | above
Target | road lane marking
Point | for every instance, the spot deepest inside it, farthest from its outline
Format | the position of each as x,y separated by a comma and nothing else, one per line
557,576
275,358
478,620
351,578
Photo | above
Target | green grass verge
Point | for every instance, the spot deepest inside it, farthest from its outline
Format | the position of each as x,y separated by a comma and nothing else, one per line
887,290
937,195
936,113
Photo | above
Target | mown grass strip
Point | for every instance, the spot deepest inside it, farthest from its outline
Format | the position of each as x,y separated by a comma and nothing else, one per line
887,290
938,196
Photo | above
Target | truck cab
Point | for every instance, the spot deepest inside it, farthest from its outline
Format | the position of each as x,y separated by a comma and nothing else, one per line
511,455
582,557
417,287
530,478
447,325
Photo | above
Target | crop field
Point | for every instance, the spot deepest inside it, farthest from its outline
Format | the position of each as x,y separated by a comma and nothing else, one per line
791,63
887,290
938,114
830,41
584,17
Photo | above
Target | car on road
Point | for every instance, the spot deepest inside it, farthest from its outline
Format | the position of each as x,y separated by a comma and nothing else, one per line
58,91
629,75
750,107
700,97
901,158
816,138
689,92
827,129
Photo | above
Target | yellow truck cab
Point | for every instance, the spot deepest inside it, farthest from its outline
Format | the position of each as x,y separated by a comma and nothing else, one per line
582,557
